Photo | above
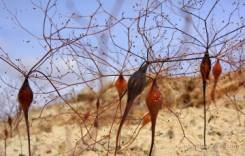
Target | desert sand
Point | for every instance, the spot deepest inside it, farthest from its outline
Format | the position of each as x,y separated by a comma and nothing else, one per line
60,132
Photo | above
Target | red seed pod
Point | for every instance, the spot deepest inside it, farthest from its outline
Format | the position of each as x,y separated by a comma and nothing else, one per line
25,96
121,85
217,70
205,66
154,101
205,69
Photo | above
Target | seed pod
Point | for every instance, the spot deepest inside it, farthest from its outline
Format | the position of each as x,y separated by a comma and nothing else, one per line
217,70
121,85
25,98
205,69
154,101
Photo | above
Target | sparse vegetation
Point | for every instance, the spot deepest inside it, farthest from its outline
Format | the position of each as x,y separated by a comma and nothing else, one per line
87,78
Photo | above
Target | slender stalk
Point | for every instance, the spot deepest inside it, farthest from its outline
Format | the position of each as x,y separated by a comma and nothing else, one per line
28,132
205,115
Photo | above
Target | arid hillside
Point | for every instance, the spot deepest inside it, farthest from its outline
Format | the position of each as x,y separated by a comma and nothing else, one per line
59,130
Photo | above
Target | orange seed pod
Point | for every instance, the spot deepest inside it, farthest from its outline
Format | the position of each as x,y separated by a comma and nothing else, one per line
121,85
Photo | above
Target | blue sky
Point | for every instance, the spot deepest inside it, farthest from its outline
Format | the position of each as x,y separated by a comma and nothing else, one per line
21,45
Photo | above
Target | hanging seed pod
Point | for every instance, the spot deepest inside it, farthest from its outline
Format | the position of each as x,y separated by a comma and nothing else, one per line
217,70
121,85
154,101
205,69
146,119
25,98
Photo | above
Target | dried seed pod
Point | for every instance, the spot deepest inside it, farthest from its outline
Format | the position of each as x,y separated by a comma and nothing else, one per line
25,98
217,70
154,101
205,69
121,85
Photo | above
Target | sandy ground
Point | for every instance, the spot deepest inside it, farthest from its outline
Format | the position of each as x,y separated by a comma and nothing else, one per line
59,133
